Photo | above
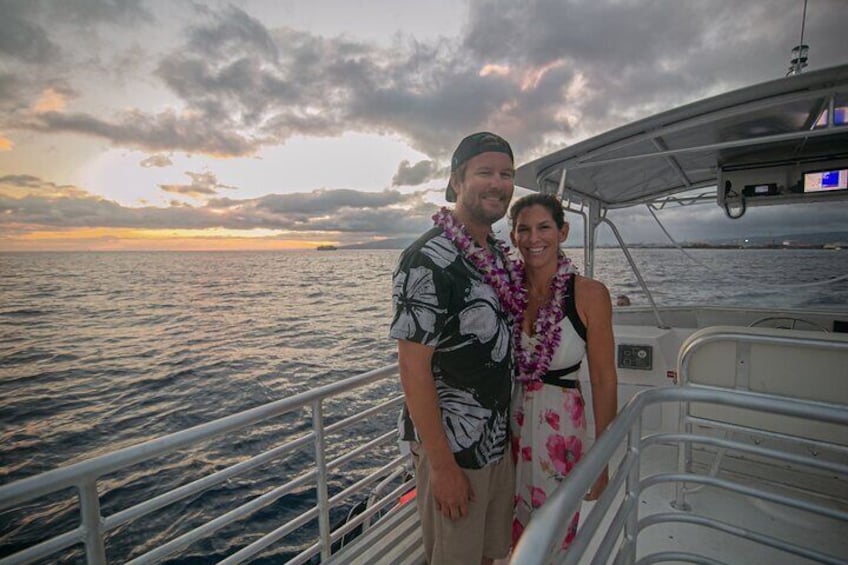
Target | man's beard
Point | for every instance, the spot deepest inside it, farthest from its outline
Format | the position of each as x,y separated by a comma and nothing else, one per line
481,214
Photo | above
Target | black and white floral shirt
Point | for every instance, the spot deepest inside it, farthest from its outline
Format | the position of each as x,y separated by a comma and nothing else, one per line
441,300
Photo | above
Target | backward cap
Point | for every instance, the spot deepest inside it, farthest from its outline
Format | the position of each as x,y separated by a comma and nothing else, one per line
471,146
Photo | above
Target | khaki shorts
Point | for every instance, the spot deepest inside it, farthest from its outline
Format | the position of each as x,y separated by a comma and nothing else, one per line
486,531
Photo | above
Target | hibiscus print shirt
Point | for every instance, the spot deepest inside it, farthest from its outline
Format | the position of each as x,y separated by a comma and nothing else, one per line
441,300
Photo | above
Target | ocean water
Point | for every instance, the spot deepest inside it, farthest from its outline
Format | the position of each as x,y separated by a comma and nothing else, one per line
104,350
729,277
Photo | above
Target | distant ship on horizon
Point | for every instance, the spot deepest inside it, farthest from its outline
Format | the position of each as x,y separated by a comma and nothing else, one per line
327,248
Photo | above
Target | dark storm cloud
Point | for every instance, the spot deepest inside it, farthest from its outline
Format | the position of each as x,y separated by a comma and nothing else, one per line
432,94
325,201
86,12
360,215
22,39
8,85
241,88
163,131
35,53
244,86
369,221
89,211
434,116
637,58
202,184
23,25
156,161
421,172
228,68
32,185
23,181
541,73
278,84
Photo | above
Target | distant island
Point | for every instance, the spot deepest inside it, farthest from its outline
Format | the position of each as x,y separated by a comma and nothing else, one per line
327,248
749,245
820,240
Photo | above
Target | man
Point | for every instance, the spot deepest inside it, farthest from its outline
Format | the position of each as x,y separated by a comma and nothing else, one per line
454,350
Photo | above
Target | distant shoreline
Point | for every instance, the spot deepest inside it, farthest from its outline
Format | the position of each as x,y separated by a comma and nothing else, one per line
829,246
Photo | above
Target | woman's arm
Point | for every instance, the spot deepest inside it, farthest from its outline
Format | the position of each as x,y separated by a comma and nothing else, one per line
595,309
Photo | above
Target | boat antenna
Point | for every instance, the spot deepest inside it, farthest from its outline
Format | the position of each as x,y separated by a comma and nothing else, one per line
798,58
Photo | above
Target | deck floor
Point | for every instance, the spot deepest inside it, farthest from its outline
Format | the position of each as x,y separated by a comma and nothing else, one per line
397,540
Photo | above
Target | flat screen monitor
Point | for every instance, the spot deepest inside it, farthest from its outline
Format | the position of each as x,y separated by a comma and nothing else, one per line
825,181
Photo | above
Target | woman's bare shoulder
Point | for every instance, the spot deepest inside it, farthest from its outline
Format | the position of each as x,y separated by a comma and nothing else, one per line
592,300
590,288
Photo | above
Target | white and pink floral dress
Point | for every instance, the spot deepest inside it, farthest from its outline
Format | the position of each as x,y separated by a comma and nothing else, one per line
548,426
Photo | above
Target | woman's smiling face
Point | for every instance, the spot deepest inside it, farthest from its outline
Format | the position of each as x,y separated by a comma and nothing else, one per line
536,236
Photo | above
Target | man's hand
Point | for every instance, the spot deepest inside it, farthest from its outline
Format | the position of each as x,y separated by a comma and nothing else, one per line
451,489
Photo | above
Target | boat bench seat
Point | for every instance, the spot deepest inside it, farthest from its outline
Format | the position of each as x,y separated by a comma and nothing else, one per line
789,363
395,538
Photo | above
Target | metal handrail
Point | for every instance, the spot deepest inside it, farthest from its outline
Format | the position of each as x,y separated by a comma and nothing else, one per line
548,527
744,338
84,476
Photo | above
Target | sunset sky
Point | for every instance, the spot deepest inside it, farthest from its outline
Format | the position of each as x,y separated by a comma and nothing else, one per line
280,124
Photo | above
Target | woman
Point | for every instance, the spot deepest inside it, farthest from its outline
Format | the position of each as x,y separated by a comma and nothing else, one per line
566,317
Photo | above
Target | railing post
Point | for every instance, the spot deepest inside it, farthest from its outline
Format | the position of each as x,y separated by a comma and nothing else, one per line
321,485
92,523
684,459
631,490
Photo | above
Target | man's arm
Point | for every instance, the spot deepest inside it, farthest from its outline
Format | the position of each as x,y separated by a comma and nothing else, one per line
448,482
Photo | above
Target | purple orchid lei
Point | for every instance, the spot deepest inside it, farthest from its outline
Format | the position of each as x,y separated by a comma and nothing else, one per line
535,362
509,285
503,279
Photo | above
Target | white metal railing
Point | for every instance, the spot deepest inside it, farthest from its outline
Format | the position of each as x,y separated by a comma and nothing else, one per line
542,537
823,379
93,527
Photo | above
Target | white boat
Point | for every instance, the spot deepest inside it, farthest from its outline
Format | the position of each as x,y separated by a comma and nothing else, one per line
745,458
733,447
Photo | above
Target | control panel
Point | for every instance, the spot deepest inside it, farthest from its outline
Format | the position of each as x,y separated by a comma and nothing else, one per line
797,181
639,357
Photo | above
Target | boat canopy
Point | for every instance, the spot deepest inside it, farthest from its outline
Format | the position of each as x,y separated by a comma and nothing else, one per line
796,122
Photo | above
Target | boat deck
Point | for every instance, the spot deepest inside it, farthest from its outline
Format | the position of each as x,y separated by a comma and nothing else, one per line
397,537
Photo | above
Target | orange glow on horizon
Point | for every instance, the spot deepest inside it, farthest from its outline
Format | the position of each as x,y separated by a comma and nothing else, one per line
6,144
126,239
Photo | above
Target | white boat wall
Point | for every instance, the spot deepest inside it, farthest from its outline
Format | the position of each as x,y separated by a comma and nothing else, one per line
733,443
